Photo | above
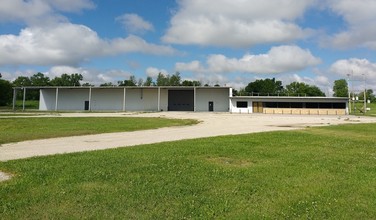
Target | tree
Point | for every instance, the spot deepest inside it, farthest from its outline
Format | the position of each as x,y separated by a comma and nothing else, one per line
175,79
148,81
106,84
140,82
5,92
191,83
369,95
39,79
162,80
264,87
67,80
128,82
240,92
22,81
87,84
340,88
302,89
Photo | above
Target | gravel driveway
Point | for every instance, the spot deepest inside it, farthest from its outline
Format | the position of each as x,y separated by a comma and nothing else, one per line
212,124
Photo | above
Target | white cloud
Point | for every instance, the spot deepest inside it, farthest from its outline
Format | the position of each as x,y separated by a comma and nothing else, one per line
361,18
40,11
134,23
52,45
153,72
237,23
92,76
356,69
280,59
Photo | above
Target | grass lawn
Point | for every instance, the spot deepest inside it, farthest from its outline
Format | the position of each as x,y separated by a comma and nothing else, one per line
29,105
19,129
359,106
316,173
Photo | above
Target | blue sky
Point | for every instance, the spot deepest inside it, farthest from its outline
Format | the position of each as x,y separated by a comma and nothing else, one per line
229,42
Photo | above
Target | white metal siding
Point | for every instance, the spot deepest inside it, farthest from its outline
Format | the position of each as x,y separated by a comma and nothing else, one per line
47,99
220,98
235,109
72,99
141,99
107,99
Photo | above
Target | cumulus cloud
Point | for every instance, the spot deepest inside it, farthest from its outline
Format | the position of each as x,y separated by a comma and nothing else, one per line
280,59
360,16
236,23
92,76
134,23
52,45
153,72
35,11
354,66
356,69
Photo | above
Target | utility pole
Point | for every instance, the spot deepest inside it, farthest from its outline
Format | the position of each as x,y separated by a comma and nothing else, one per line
365,98
348,89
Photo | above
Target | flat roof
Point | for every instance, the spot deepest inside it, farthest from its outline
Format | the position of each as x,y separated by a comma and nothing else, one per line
293,98
122,87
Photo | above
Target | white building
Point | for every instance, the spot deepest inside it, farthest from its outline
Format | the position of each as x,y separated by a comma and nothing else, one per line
177,98
135,98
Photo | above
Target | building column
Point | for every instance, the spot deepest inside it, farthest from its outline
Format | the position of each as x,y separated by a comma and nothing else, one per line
23,100
194,98
159,99
56,99
14,98
90,99
124,96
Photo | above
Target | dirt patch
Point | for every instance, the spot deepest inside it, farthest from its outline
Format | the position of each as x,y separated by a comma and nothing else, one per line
4,176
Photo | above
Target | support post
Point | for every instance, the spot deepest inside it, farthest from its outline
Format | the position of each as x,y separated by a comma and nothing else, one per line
194,98
14,98
57,98
124,96
23,100
159,99
90,99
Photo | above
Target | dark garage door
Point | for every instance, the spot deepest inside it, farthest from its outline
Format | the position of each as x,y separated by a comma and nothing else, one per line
180,100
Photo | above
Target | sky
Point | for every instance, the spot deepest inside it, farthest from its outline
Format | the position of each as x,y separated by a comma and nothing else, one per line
226,42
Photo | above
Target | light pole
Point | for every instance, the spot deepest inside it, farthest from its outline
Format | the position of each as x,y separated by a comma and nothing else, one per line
348,89
365,98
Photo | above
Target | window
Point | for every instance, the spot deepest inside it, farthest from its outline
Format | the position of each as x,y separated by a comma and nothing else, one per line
326,105
283,105
242,104
339,105
271,104
312,105
296,105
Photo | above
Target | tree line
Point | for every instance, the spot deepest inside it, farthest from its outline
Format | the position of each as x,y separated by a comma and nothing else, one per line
272,87
260,87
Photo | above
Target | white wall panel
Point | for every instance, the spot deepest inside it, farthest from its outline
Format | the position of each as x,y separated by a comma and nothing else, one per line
107,99
47,99
220,98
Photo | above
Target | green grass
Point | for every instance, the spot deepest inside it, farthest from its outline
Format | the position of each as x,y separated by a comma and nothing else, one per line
317,173
29,105
20,129
359,106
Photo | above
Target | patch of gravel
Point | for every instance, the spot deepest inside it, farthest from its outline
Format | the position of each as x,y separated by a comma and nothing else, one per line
4,176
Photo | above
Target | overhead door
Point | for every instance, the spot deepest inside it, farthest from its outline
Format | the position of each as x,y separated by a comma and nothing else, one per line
180,100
